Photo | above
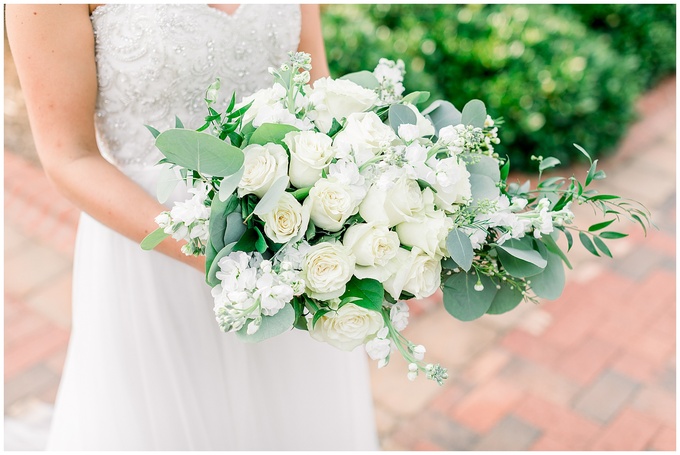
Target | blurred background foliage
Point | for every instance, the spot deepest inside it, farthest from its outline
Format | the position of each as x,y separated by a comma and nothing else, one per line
557,74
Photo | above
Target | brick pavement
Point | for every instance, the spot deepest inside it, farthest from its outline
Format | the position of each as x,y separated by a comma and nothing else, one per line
594,370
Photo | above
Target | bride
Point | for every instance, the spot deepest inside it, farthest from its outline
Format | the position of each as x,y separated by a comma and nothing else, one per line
147,367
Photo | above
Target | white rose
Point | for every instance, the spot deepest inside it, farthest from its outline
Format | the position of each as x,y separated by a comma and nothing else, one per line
427,233
452,182
348,327
285,220
338,98
326,270
414,272
373,246
392,204
363,137
331,203
310,153
263,165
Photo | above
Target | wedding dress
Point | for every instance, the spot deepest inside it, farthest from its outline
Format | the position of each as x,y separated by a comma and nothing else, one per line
147,367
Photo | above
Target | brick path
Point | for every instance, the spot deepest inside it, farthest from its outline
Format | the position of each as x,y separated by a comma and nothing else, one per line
594,370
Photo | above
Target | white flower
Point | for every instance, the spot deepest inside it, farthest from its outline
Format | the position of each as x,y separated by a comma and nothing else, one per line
263,165
310,153
419,352
330,204
272,294
363,137
347,173
427,233
348,327
285,220
278,113
399,315
452,182
424,126
338,98
327,269
408,132
379,347
393,203
261,99
414,272
373,246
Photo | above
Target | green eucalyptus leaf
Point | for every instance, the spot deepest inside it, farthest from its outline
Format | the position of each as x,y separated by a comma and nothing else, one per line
270,327
520,258
399,114
460,248
234,227
443,114
211,277
168,179
416,97
549,284
200,152
482,187
270,133
365,79
152,240
369,292
487,166
272,196
474,113
461,299
507,298
218,220
229,184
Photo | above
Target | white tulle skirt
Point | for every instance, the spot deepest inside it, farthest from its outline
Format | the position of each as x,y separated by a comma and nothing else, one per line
148,369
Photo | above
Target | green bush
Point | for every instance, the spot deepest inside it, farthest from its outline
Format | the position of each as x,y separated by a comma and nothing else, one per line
647,31
552,80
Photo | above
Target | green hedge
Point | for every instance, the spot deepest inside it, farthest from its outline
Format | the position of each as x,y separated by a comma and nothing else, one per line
646,31
553,80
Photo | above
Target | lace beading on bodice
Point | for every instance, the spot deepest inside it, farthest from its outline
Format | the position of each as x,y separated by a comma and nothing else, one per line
156,61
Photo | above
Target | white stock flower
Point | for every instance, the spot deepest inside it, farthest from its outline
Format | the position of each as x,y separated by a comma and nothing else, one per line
263,165
414,272
452,182
392,203
261,99
379,347
373,246
399,314
348,327
330,204
277,113
363,137
427,233
327,269
310,153
285,220
338,98
408,132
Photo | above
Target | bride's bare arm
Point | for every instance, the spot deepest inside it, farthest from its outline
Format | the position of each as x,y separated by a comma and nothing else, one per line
311,41
53,48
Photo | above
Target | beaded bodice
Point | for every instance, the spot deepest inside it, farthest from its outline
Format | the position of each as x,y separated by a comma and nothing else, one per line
156,61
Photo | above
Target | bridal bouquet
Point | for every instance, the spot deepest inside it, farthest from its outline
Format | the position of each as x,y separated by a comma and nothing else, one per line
324,207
